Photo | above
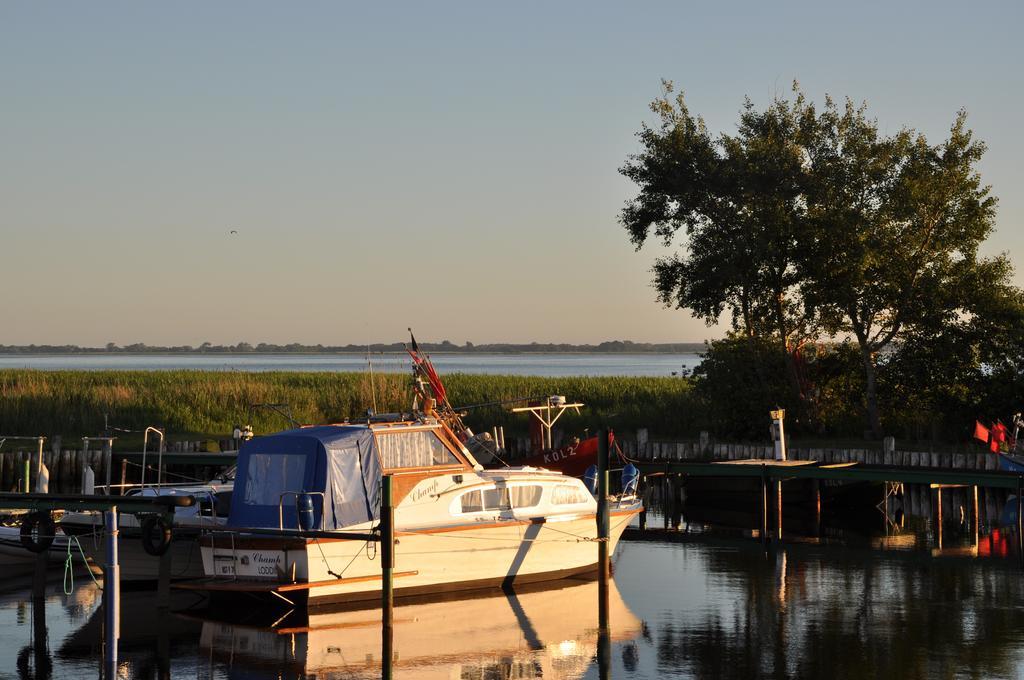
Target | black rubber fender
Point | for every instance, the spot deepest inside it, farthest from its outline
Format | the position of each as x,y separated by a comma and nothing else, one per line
156,535
37,531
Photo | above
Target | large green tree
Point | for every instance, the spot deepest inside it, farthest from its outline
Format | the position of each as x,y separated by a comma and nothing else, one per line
810,223
893,230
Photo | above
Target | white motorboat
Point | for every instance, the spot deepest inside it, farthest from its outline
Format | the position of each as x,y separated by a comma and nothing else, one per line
457,526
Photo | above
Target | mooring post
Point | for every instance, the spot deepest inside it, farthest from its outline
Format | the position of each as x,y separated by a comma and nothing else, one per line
1020,519
602,506
938,521
764,504
111,596
28,472
163,591
816,490
646,500
108,453
39,577
124,475
778,510
40,646
387,565
975,519
604,647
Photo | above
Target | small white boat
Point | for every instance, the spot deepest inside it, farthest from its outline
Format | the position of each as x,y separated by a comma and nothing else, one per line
140,538
457,525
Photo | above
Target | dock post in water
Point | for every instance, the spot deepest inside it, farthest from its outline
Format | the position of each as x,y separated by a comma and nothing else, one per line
1020,520
163,589
111,596
602,506
764,504
387,565
604,647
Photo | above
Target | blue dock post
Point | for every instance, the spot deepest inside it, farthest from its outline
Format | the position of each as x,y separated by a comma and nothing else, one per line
111,596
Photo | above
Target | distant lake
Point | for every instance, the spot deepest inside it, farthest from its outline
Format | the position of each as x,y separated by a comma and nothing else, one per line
551,365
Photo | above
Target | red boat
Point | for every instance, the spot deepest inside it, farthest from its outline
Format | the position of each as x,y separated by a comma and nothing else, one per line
573,459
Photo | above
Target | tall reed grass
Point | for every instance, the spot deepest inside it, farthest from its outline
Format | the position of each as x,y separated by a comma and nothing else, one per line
73,403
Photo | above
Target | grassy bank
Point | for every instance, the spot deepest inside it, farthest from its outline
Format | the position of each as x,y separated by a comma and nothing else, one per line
73,403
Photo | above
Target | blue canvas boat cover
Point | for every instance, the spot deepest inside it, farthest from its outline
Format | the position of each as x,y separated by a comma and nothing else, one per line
337,464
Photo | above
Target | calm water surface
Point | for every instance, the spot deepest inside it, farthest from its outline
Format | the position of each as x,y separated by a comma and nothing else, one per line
878,600
508,364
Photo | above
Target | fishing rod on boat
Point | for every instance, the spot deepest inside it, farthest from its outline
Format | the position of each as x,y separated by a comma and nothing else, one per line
276,408
500,402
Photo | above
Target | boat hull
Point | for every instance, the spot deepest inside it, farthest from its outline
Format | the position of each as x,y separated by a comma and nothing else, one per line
427,561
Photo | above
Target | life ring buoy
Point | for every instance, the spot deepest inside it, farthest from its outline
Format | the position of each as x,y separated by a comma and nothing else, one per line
156,535
37,531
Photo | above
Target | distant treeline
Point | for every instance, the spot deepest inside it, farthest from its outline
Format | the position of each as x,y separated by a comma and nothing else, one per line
608,347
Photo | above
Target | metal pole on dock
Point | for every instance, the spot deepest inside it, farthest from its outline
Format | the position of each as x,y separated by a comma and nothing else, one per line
938,521
603,564
387,564
111,596
28,472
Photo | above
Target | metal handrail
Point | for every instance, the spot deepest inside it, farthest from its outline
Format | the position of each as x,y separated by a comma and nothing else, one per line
160,457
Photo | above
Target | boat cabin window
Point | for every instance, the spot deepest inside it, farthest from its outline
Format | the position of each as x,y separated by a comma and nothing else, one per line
419,448
525,496
486,499
568,495
270,475
500,499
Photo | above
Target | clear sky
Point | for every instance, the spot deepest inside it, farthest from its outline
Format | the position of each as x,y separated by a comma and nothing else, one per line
449,166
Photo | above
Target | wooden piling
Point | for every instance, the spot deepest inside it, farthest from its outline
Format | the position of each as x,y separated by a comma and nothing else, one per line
387,564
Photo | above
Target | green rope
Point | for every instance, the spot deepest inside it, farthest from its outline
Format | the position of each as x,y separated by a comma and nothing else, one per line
69,571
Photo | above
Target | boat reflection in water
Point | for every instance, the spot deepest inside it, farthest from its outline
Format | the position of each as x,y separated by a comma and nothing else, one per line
549,632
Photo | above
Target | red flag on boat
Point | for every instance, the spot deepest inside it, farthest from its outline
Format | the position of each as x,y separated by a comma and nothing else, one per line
424,364
999,432
980,431
998,437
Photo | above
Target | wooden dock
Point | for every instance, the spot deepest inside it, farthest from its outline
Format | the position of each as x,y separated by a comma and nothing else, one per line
853,472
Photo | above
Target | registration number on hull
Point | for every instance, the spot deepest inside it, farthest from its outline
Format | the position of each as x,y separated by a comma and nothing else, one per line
254,563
